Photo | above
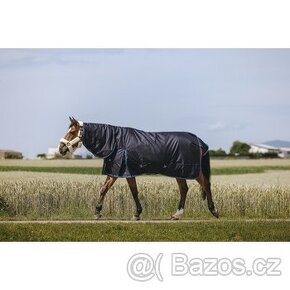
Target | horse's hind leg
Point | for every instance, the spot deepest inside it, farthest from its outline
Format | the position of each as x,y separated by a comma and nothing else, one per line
206,193
104,189
134,190
183,188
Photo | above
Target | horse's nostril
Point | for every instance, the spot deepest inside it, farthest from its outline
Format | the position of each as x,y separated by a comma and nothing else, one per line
61,150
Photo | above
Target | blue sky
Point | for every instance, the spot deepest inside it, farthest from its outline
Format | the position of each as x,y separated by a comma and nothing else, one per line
219,94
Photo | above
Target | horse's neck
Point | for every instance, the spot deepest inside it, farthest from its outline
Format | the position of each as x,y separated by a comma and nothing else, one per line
99,137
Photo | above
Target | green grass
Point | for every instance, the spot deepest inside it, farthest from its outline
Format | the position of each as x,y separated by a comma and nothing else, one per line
195,231
98,170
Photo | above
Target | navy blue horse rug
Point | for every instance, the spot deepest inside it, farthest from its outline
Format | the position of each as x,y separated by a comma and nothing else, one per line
129,152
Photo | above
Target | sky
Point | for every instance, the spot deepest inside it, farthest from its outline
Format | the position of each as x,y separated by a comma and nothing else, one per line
221,95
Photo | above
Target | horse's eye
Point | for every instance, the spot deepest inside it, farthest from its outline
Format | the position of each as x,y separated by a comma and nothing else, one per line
72,129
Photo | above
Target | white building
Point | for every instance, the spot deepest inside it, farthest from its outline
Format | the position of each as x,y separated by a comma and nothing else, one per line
52,152
263,148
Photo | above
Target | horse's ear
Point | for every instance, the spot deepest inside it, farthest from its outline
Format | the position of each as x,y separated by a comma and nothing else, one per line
73,121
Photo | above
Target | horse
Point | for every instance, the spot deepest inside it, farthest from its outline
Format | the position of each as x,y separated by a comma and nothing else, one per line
129,152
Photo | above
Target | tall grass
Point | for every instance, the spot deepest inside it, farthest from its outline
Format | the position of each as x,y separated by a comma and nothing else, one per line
43,198
97,170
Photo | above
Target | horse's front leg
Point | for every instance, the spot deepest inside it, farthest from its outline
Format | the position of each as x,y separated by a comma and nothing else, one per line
183,188
104,189
134,190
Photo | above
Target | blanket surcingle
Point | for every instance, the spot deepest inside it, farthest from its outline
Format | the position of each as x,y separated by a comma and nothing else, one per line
129,152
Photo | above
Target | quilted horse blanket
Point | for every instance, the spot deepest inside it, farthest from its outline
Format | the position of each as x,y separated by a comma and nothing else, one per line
129,152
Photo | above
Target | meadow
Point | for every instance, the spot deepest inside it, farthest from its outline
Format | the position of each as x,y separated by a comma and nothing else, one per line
46,194
213,231
29,195
94,166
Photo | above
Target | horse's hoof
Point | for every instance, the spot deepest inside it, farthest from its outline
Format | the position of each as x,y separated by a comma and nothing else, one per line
98,216
135,218
174,218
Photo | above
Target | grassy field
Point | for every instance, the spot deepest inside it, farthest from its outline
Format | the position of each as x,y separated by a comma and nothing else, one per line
175,231
94,167
27,195
35,190
215,163
98,170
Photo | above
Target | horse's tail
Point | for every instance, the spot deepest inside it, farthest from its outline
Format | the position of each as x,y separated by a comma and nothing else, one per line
206,193
205,171
205,165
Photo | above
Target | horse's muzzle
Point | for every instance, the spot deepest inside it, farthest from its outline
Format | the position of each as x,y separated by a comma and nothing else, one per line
62,149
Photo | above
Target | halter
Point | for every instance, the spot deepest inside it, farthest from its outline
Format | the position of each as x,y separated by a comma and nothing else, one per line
76,140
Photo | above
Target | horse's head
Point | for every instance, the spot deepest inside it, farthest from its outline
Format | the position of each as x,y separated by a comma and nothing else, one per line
73,138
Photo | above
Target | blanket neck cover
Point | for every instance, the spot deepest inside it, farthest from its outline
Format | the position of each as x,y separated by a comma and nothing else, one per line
129,152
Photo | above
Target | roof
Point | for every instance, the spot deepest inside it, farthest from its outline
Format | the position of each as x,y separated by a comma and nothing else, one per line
265,146
278,143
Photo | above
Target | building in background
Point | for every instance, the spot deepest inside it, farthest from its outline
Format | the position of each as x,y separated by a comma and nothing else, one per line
53,153
282,152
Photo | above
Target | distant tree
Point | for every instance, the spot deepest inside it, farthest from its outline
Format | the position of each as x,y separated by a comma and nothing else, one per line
13,155
41,156
240,148
218,153
264,155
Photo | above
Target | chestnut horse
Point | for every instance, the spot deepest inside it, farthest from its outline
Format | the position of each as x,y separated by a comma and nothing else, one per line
74,138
